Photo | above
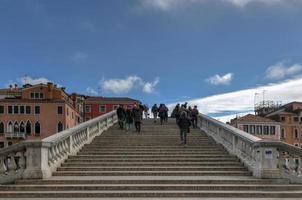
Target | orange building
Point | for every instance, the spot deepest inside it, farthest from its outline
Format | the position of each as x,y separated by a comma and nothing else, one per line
290,118
97,106
36,112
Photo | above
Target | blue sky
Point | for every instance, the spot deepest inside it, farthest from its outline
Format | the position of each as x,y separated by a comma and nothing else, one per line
156,50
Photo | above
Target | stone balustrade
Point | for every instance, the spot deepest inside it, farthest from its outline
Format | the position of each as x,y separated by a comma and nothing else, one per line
38,159
266,159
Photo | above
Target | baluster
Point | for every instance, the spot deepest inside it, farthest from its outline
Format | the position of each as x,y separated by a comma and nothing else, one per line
3,168
299,167
21,160
50,157
292,165
12,166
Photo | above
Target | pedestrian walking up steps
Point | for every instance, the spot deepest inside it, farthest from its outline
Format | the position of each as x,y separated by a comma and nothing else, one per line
153,164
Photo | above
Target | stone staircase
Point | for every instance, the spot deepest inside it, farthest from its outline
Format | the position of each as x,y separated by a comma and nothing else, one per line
154,164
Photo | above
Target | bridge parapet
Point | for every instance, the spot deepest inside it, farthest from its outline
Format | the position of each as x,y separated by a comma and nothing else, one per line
265,158
38,159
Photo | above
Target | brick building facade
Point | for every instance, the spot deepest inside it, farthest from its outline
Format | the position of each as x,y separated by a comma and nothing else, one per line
36,112
97,106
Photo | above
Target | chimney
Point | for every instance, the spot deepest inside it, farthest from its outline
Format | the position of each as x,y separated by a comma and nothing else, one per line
50,86
50,89
10,87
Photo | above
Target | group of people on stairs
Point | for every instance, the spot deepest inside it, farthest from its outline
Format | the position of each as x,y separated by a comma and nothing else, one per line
185,117
128,116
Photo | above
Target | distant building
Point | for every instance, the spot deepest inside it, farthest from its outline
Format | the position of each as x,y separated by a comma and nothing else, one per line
258,126
97,106
34,112
290,118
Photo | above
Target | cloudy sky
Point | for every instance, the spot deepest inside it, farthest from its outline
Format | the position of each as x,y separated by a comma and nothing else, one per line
222,55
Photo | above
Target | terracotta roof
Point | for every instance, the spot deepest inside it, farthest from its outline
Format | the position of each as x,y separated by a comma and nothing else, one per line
89,99
254,118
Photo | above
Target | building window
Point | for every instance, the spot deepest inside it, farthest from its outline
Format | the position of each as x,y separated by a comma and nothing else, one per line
272,130
10,127
60,110
22,109
102,109
259,130
37,109
246,128
22,127
266,130
37,128
60,127
37,95
87,108
296,133
1,145
1,127
28,128
283,135
1,109
296,119
252,129
10,109
28,110
16,109
283,119
16,127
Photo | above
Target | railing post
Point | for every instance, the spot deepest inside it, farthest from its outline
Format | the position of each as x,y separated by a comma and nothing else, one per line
37,160
266,162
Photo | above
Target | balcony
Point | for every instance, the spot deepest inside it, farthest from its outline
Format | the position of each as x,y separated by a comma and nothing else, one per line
15,135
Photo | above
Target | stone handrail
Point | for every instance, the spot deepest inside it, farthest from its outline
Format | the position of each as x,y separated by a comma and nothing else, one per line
265,158
38,159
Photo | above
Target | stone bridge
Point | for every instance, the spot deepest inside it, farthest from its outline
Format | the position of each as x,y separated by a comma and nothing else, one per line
97,160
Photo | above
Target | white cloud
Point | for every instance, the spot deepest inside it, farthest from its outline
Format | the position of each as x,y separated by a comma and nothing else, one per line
149,87
166,5
79,57
221,80
91,91
242,101
30,80
280,70
123,86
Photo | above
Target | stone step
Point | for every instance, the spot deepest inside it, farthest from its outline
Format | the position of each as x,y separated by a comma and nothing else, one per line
125,156
151,187
154,194
153,173
135,153
136,168
144,180
84,164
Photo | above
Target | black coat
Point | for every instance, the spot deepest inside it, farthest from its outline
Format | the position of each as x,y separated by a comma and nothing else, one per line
129,116
121,113
184,123
137,114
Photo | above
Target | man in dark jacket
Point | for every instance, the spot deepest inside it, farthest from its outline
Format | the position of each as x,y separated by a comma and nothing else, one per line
121,115
184,124
129,119
194,114
137,117
154,110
